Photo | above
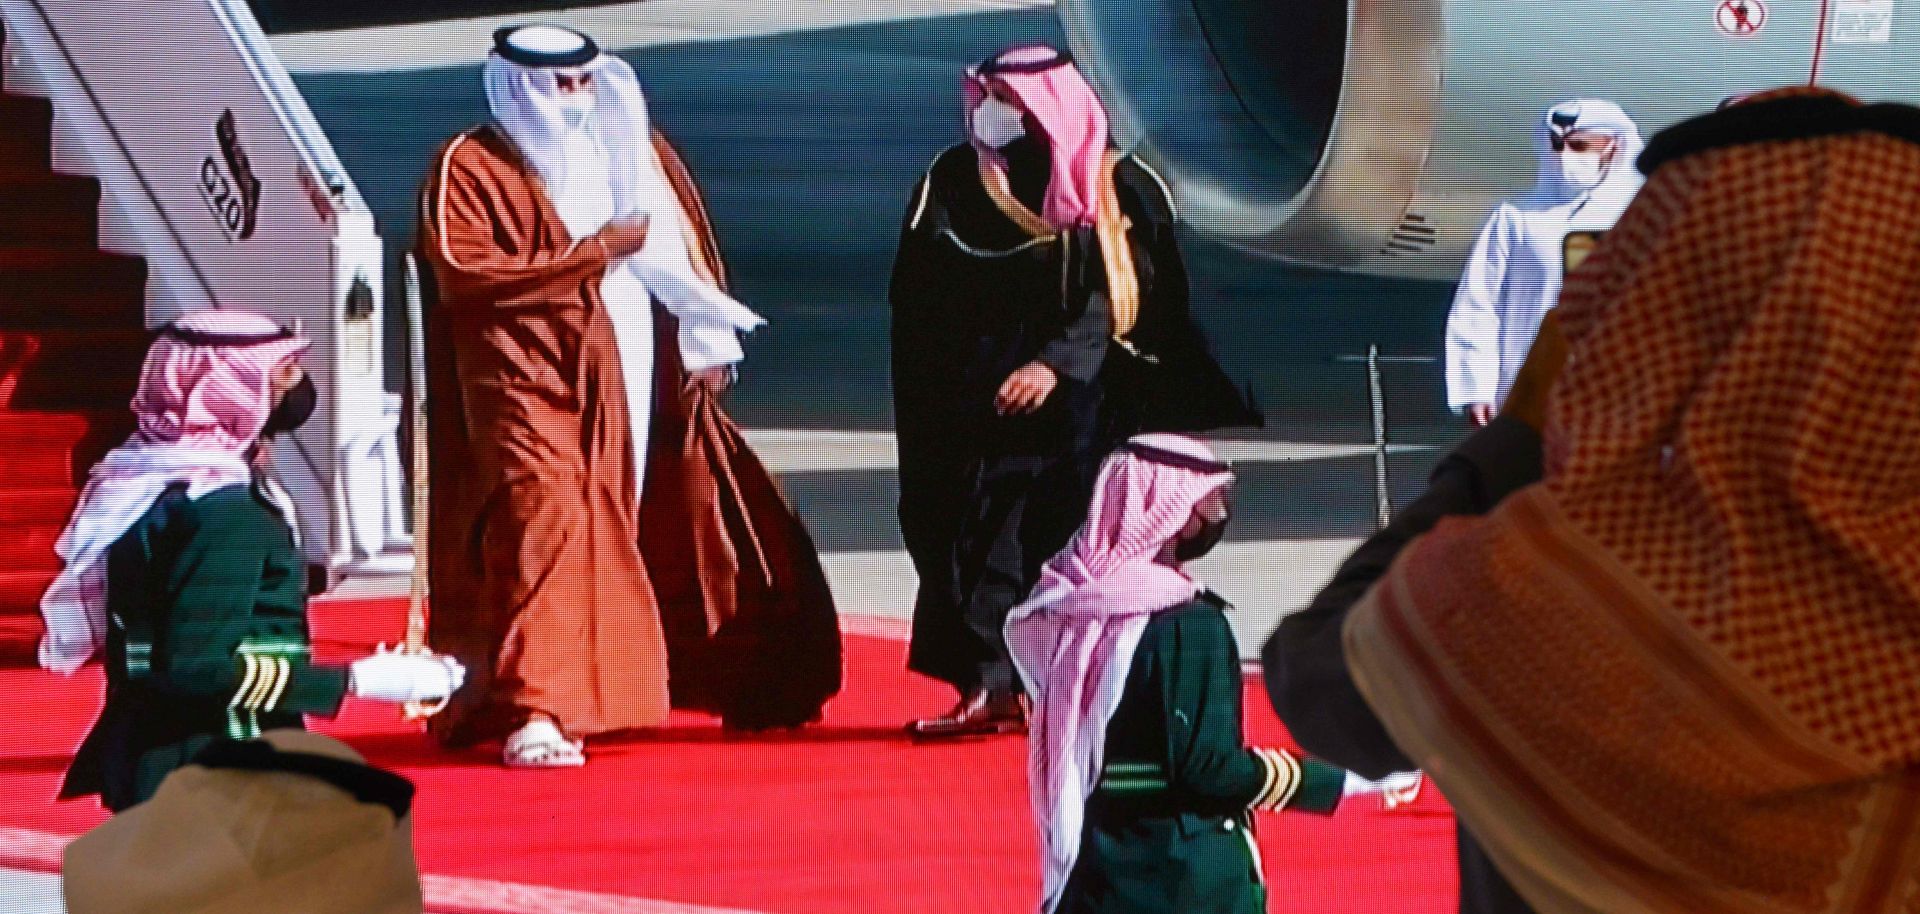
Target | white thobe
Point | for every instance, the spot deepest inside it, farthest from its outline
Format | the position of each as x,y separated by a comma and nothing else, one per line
585,201
1512,280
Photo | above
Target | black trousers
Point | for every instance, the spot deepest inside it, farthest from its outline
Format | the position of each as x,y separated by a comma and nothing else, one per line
1020,511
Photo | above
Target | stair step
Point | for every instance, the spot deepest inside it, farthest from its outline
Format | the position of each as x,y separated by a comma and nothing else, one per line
71,344
53,460
69,369
46,207
44,465
36,278
20,624
20,640
20,591
27,139
21,426
30,548
28,507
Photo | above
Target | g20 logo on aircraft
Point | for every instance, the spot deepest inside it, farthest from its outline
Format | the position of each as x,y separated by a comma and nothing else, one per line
228,184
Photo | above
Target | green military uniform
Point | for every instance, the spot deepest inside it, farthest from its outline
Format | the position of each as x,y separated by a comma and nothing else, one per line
207,604
1169,829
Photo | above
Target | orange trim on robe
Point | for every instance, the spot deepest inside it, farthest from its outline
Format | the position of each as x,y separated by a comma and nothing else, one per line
537,581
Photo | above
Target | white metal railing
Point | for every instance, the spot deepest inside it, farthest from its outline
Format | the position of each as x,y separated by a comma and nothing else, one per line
215,169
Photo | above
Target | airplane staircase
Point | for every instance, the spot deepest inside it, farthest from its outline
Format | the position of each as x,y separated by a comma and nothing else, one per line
72,335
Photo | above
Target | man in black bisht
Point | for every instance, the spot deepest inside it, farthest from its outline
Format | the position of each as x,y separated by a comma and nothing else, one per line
1039,319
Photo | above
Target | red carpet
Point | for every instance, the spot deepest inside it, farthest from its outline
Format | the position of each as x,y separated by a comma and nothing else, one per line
71,340
846,818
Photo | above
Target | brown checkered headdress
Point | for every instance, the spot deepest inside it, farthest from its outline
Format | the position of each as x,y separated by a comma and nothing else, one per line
1759,314
1683,673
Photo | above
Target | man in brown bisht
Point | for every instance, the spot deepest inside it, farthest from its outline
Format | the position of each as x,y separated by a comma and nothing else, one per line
578,335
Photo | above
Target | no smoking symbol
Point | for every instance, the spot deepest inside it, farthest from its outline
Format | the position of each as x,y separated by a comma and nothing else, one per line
1740,17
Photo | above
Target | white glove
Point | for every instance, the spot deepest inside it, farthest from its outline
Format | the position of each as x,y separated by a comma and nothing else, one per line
1398,789
405,677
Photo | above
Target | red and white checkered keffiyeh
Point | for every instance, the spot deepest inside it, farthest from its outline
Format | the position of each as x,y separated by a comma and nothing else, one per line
1073,640
1683,673
199,410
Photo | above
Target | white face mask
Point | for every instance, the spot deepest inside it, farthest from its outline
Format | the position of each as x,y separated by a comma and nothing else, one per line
996,123
577,108
1582,169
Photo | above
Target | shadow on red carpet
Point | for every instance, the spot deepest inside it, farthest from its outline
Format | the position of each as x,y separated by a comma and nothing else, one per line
844,818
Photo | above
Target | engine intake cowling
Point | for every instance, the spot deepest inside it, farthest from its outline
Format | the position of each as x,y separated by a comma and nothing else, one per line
1376,135
1263,115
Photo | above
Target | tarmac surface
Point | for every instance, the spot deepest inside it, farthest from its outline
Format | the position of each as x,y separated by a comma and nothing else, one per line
808,125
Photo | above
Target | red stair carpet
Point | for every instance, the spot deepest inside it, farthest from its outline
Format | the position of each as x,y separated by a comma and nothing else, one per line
844,818
72,336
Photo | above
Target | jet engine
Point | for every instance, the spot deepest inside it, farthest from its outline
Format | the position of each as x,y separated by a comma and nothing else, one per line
1376,135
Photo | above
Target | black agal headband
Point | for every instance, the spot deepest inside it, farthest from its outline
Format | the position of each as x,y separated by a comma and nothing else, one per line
225,340
995,65
579,55
1175,458
1800,117
364,783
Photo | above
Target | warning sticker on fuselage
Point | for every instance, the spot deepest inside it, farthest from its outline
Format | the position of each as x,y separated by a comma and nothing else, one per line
1740,18
1863,22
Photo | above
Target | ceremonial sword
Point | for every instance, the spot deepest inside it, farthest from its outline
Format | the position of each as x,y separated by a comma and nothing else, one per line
416,639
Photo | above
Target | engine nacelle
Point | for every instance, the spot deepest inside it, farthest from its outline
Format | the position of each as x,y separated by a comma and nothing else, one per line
1376,135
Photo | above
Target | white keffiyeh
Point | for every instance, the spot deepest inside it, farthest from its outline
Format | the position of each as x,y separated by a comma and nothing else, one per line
604,169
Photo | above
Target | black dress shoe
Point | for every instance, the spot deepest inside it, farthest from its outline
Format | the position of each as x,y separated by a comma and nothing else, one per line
978,714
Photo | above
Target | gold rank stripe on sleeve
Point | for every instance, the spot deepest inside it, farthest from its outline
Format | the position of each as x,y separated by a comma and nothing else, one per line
247,680
263,683
1282,780
1271,777
283,674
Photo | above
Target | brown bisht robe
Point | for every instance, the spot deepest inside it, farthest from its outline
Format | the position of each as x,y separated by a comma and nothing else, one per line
535,534
751,630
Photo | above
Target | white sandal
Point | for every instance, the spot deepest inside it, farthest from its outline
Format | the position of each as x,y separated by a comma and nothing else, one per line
540,744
